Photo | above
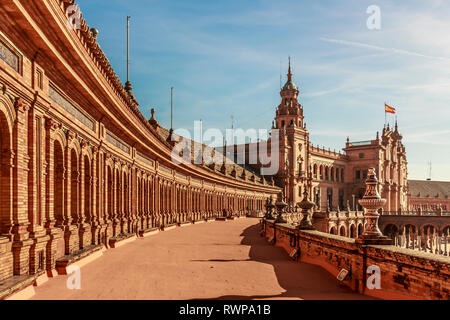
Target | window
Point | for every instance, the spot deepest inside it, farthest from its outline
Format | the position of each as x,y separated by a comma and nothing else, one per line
365,174
39,78
341,198
10,56
361,155
358,175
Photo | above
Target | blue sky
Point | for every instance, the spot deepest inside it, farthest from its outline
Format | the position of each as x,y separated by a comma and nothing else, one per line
223,58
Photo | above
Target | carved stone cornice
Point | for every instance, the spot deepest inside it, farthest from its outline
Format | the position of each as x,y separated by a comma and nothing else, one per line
52,124
21,106
70,135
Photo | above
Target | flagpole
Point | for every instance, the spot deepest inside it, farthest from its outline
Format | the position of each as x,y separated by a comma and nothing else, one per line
385,115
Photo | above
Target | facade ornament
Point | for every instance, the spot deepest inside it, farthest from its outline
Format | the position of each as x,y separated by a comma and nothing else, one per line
371,202
152,120
51,124
306,205
70,135
281,208
20,105
84,143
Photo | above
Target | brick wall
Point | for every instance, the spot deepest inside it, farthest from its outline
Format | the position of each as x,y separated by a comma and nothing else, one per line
405,274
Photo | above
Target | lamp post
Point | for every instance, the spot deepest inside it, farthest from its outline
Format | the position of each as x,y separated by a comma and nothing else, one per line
371,202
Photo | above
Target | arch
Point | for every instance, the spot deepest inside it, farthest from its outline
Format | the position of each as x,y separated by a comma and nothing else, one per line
408,228
109,189
60,136
58,187
360,229
87,186
343,231
7,116
87,151
333,230
74,144
353,233
391,231
446,230
74,184
429,229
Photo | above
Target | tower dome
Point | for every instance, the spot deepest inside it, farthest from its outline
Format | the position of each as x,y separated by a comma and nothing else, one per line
289,88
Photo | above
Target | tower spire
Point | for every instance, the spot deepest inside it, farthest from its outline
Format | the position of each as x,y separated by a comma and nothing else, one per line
128,86
289,71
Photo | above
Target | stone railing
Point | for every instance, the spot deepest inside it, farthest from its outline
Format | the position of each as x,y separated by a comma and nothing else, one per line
371,264
416,213
404,273
432,243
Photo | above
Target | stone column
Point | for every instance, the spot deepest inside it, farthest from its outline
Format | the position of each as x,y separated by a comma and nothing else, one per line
20,222
54,233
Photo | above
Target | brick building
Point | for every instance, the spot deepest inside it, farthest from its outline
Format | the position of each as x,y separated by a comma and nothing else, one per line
333,179
81,168
429,196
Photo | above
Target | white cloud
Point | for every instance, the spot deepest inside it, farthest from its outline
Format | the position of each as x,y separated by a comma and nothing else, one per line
391,50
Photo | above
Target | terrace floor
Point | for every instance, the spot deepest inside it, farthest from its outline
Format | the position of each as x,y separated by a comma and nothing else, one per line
215,260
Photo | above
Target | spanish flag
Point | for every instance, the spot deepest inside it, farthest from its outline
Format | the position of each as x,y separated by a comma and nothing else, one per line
389,109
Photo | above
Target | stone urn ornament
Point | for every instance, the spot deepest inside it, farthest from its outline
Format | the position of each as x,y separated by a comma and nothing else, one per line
269,209
306,206
371,202
281,208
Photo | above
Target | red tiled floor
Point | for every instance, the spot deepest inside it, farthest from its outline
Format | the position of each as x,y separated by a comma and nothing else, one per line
216,260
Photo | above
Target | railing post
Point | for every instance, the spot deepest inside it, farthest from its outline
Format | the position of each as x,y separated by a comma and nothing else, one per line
371,202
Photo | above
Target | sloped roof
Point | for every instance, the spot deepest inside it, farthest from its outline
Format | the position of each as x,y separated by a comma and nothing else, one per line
164,134
429,189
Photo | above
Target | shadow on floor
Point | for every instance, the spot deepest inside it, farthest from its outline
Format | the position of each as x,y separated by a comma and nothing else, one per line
299,280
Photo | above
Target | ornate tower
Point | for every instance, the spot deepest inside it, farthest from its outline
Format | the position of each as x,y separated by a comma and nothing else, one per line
292,175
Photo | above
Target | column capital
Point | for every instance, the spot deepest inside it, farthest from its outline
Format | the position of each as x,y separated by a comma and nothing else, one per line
21,105
51,124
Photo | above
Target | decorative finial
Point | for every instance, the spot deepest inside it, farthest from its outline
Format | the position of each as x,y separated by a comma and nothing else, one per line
94,33
289,71
371,202
152,120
